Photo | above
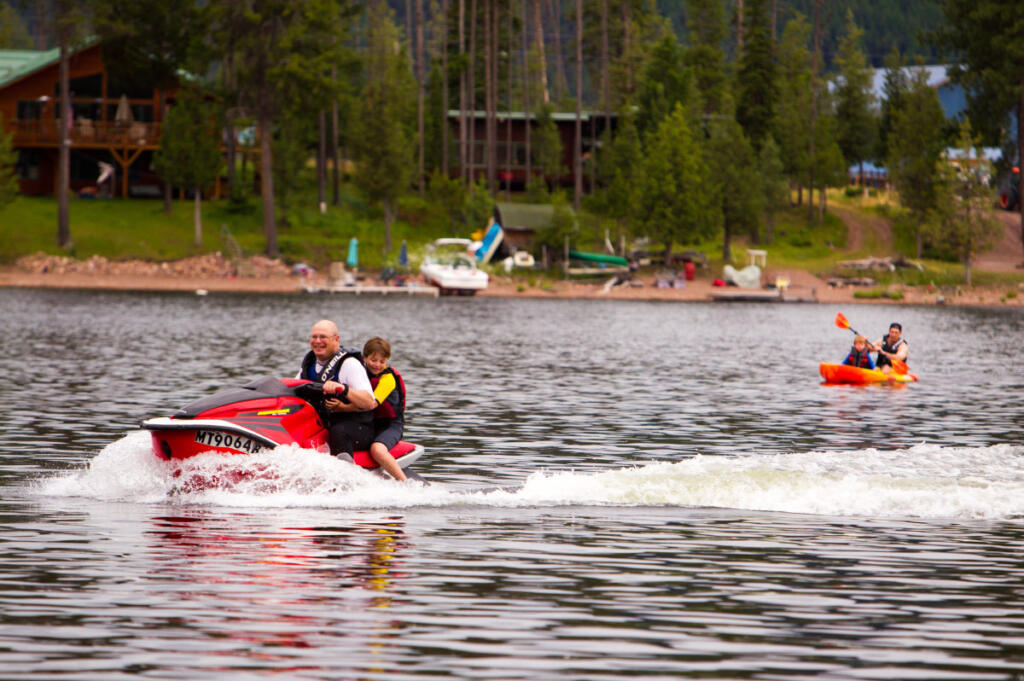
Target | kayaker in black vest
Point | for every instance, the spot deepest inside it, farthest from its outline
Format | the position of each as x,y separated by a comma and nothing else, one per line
890,347
860,354
350,402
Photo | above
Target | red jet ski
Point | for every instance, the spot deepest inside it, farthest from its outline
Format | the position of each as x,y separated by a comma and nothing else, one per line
264,414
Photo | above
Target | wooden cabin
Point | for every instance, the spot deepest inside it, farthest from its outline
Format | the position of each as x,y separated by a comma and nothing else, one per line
113,123
511,168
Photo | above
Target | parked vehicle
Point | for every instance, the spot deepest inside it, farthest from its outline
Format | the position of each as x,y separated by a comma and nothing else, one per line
1009,191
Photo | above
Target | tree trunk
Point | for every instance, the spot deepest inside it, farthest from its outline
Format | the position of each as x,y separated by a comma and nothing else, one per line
508,115
739,30
578,145
775,14
462,88
489,86
389,214
335,178
168,189
470,150
444,87
267,186
627,34
538,23
321,163
1020,159
230,154
64,169
605,78
408,21
419,95
814,103
231,142
561,81
197,217
527,115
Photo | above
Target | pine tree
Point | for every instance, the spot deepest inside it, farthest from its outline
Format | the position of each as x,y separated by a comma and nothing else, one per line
8,159
13,33
189,155
855,117
915,152
756,80
986,37
665,82
706,57
620,163
967,224
382,122
730,158
792,122
677,200
893,88
547,146
774,187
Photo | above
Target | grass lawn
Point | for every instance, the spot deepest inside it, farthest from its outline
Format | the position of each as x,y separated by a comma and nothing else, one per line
139,229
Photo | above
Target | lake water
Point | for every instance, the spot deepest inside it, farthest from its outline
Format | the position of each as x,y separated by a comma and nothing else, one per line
616,489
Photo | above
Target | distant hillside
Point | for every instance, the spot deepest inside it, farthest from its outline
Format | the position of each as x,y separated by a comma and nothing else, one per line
886,23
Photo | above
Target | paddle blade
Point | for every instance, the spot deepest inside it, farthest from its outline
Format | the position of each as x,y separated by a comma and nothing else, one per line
899,366
841,321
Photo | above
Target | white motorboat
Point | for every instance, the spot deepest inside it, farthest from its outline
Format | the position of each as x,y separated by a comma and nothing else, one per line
450,267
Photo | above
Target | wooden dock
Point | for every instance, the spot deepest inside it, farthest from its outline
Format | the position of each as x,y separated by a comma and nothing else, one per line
415,290
769,295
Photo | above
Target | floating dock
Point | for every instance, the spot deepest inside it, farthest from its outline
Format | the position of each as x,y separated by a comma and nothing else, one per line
416,290
763,295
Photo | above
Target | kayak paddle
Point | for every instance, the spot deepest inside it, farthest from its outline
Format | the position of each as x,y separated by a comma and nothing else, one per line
898,365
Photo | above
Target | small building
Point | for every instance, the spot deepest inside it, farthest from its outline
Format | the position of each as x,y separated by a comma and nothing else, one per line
511,137
115,126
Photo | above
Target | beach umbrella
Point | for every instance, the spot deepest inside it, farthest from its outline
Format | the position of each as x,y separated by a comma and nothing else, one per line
353,253
124,112
403,255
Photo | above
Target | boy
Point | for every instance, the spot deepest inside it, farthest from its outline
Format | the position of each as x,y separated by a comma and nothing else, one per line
389,416
860,355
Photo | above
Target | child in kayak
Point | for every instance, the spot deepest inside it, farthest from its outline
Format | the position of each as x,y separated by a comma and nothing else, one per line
389,416
860,354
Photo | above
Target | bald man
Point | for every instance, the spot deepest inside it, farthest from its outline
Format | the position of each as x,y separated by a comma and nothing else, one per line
349,399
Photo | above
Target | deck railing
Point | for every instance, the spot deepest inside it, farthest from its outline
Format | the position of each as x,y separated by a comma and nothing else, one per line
87,133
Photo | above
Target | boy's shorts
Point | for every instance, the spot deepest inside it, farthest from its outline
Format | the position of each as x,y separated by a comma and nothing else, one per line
388,432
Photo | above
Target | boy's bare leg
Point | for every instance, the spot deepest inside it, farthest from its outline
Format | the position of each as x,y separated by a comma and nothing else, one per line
380,454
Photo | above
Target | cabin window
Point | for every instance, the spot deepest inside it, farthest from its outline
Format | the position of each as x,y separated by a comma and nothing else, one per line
28,164
86,86
30,110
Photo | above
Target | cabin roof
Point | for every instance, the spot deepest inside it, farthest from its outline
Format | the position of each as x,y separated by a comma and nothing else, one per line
15,64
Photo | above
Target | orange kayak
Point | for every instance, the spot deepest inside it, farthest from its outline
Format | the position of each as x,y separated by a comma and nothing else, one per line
842,373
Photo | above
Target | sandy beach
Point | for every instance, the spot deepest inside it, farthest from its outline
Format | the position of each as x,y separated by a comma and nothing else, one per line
213,272
803,286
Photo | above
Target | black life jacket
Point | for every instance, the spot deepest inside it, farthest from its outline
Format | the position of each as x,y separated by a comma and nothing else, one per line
861,360
882,359
393,406
329,372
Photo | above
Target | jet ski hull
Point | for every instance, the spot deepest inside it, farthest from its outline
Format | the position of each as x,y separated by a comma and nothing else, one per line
259,416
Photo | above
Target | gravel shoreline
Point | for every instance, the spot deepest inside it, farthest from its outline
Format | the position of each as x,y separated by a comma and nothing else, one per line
803,287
